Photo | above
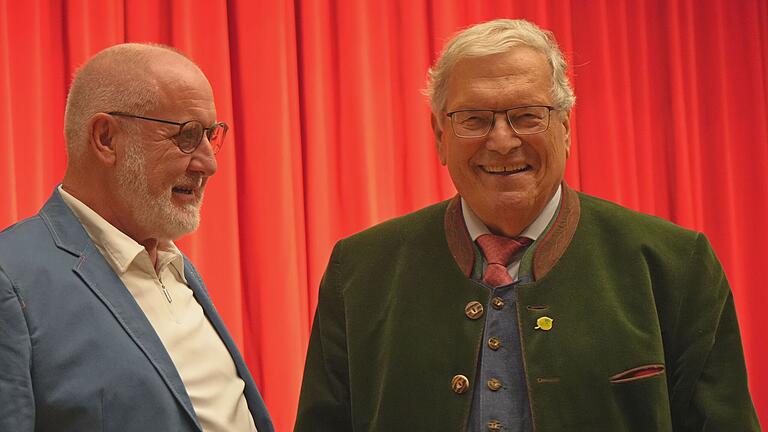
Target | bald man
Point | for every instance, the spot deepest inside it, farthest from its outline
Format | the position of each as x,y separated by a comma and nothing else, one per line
104,323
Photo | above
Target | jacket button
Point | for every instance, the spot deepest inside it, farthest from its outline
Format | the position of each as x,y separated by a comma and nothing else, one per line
473,310
497,303
459,384
494,343
495,426
494,384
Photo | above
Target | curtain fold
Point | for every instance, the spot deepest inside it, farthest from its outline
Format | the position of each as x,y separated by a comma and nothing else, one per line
330,133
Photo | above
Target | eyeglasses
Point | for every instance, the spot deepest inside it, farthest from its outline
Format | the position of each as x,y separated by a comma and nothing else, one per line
524,120
190,132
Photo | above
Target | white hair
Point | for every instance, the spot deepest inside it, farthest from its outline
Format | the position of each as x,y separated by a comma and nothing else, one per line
494,37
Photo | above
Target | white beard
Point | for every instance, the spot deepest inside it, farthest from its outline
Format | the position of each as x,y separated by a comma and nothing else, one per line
155,214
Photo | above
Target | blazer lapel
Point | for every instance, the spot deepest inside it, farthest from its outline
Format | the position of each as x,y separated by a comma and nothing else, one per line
96,273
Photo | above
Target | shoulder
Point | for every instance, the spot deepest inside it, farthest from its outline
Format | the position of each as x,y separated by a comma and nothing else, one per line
21,237
608,219
21,228
673,256
23,247
29,250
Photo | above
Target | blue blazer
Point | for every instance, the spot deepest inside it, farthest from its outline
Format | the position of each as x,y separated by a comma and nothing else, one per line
76,351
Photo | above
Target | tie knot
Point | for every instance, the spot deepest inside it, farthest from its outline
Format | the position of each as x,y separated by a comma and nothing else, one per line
500,250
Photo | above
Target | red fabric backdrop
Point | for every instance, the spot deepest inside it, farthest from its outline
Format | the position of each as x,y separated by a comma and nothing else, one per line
331,133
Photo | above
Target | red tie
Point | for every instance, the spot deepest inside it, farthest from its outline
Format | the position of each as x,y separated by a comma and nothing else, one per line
498,252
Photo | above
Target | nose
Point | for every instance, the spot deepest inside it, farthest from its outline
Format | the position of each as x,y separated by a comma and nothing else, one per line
203,160
502,138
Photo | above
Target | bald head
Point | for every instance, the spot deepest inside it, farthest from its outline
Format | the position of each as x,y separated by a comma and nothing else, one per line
128,166
124,78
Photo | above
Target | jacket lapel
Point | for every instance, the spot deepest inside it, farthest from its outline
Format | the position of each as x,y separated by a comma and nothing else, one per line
457,236
96,273
555,241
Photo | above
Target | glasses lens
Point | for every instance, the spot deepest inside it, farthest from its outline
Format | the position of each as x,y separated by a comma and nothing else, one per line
529,120
216,134
472,123
189,136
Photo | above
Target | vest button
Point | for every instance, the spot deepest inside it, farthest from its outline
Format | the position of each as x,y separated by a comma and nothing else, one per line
473,310
497,303
494,343
459,384
495,426
494,384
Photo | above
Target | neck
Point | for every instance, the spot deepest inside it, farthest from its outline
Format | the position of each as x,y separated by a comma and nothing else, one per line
512,224
514,221
507,230
151,246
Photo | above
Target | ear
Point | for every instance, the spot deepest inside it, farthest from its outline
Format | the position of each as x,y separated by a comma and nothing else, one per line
437,129
102,129
565,118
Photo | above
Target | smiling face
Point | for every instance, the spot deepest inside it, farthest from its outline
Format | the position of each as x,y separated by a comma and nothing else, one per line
506,178
161,188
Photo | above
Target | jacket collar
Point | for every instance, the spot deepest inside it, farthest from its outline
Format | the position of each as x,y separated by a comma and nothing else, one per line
551,245
67,232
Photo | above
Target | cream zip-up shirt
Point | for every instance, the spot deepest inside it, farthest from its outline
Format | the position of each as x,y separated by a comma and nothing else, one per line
200,356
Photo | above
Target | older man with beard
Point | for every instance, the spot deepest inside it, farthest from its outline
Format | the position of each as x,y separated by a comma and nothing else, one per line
104,324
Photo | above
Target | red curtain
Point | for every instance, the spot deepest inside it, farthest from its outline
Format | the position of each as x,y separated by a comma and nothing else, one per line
331,133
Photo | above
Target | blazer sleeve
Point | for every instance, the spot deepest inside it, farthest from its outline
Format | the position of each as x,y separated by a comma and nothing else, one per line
324,404
17,403
709,377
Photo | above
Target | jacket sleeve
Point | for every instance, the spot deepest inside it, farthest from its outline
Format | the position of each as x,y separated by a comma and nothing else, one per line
324,404
17,404
708,383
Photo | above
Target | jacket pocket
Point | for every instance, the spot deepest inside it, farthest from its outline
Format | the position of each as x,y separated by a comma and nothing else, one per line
640,399
637,373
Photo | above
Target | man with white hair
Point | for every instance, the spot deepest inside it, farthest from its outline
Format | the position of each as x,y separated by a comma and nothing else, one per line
104,323
521,304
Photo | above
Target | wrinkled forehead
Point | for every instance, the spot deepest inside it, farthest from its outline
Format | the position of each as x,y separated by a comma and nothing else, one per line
517,59
518,70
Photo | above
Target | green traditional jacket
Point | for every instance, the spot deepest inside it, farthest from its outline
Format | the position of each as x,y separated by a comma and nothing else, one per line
644,334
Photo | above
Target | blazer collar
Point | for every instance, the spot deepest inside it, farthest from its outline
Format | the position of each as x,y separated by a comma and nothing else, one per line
549,249
67,232
95,272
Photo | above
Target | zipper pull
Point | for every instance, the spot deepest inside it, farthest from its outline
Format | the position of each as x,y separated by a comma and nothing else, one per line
165,291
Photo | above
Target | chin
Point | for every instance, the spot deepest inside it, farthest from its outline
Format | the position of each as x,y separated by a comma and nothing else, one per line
512,202
183,223
170,222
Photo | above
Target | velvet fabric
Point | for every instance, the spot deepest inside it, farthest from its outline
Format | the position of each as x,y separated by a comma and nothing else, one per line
644,333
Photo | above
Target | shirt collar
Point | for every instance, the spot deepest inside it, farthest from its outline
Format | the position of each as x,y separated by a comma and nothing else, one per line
476,227
118,249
